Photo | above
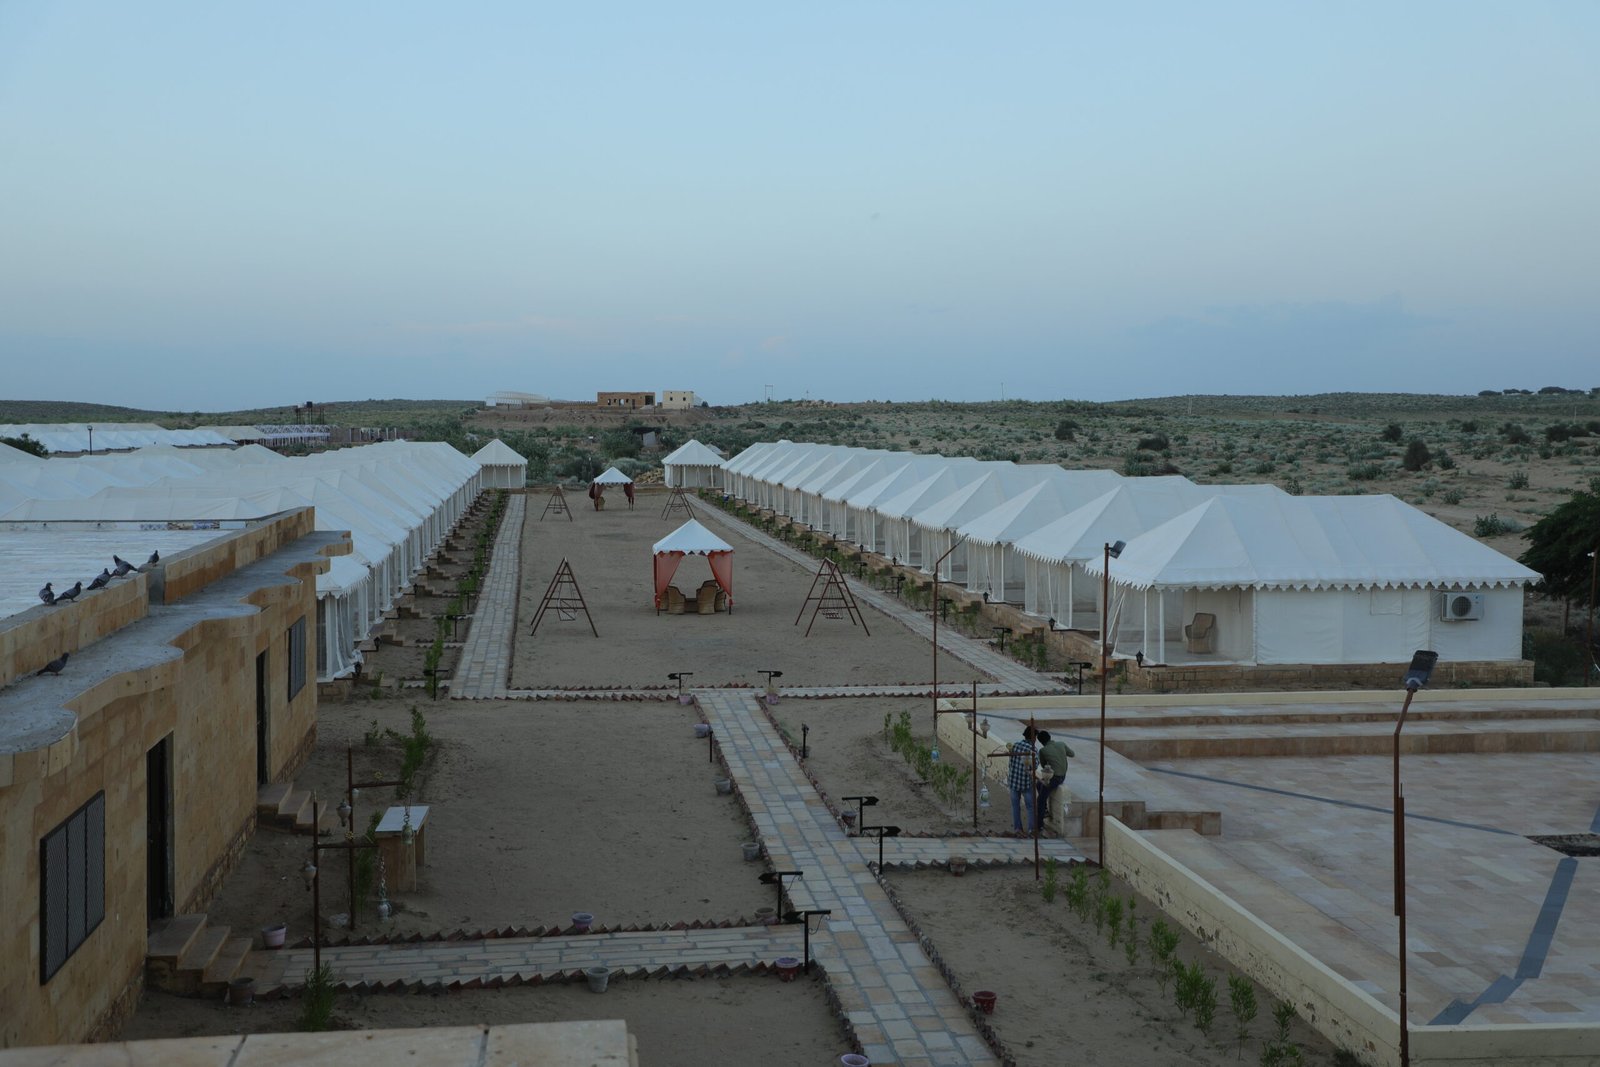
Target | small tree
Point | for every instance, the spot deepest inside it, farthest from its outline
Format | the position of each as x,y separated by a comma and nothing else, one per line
1393,433
27,444
1417,455
1066,430
1559,545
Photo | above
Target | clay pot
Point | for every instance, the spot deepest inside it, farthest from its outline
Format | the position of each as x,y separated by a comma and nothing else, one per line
984,999
767,916
849,819
724,785
702,730
581,921
752,851
599,978
787,967
241,992
273,936
686,698
854,1059
958,865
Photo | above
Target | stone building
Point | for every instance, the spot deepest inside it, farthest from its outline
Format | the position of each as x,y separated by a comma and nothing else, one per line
128,779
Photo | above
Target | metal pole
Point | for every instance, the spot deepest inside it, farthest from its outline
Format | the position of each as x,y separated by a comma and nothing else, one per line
936,565
1400,879
1105,620
1033,784
1588,620
974,755
350,831
316,890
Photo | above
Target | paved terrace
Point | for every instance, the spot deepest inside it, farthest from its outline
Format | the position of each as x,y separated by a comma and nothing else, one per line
484,668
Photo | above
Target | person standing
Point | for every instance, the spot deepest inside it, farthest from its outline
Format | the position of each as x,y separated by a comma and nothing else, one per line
1053,756
1019,779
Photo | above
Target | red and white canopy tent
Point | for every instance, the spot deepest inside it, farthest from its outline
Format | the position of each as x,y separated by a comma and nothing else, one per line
693,539
610,476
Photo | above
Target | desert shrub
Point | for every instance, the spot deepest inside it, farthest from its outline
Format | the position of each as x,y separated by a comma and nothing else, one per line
1266,466
1514,434
1556,659
1492,525
1364,472
1154,443
1052,880
1066,430
1444,461
1242,999
1392,433
1518,480
1417,455
1145,465
1221,468
316,1013
1293,487
1451,496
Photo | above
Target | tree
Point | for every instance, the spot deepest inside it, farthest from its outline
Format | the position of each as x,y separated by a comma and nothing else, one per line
1392,432
28,445
1066,429
1417,455
1559,545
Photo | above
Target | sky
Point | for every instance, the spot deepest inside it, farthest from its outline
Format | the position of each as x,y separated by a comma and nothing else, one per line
215,206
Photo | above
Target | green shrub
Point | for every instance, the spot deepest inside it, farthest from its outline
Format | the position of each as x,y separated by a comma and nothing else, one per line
316,1013
1052,877
1242,999
1364,472
1392,433
1518,480
1557,660
1492,525
1451,496
1417,455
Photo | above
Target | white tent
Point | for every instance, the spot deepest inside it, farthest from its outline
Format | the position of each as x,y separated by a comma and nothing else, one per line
612,476
1282,579
692,466
691,539
503,466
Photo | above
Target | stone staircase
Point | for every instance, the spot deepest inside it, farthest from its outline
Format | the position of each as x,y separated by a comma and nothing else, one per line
281,804
188,956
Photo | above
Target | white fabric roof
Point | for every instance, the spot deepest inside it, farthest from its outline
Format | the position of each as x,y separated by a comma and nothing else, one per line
692,454
612,476
108,436
1287,542
692,539
499,454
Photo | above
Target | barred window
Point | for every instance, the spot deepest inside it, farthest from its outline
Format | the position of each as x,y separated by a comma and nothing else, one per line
297,656
72,885
322,636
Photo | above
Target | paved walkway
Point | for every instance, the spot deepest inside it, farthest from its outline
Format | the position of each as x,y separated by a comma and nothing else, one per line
485,663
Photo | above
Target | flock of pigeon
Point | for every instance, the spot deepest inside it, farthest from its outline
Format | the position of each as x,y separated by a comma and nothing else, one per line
120,568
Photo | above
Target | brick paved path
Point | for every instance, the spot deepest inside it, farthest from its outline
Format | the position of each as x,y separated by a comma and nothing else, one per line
485,662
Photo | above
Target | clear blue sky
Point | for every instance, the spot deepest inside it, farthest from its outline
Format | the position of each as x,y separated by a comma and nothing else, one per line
214,205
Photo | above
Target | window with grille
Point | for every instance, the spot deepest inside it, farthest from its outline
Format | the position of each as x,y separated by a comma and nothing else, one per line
72,885
297,656
322,636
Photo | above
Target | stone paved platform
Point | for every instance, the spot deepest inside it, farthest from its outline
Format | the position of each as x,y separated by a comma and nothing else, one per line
485,663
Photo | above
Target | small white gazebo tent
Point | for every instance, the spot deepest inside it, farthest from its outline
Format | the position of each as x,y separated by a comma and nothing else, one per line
692,466
691,539
610,476
503,466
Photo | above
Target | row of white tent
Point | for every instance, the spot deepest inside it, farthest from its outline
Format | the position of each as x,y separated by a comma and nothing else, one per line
110,436
1256,575
398,499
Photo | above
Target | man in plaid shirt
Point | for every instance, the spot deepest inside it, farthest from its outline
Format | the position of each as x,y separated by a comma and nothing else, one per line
1019,779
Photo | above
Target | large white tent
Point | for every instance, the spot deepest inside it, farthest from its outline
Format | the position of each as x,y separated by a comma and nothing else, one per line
503,466
398,500
692,466
1292,579
109,436
1286,579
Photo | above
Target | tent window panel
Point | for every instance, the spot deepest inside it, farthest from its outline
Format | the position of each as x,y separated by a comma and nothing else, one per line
1385,602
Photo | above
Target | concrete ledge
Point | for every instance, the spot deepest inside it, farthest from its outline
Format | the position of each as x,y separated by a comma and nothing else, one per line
597,1043
1383,697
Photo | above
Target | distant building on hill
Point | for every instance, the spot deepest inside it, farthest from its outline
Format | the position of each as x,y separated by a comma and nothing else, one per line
510,398
679,399
630,401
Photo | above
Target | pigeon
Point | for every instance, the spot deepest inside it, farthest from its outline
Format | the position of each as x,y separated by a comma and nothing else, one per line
70,594
122,567
55,665
155,557
101,580
46,595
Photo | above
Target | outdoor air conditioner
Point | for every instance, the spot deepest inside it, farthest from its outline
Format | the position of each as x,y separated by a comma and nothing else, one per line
1460,607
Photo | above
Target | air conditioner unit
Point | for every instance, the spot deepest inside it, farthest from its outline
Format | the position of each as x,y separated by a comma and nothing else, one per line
1460,607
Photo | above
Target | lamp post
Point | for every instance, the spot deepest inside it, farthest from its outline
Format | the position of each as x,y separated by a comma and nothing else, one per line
776,878
1113,551
862,804
347,817
881,832
1416,677
805,917
1588,620
91,440
314,879
936,565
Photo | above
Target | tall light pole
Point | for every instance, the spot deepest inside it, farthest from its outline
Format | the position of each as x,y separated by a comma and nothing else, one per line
1588,620
1416,677
1113,551
936,565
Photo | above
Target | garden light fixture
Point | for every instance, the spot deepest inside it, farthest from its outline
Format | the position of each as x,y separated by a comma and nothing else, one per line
1113,551
1416,676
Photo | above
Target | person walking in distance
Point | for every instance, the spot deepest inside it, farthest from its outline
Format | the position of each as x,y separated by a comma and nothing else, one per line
1053,757
1019,779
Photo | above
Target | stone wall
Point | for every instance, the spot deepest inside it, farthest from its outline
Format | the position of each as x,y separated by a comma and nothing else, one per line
191,676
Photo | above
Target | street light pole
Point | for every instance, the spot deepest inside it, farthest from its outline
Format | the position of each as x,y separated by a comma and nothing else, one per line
1415,678
1112,552
1588,620
936,565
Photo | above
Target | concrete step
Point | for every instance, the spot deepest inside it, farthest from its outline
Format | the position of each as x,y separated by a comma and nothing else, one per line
1376,738
170,938
270,796
203,949
225,964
